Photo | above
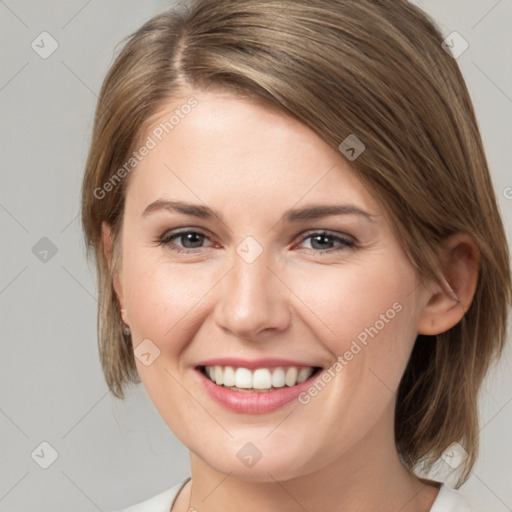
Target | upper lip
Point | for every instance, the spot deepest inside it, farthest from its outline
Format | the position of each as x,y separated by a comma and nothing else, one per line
265,362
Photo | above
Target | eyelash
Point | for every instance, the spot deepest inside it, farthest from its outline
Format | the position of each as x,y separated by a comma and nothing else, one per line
165,240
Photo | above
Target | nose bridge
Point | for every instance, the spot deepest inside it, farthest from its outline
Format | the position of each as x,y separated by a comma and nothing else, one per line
252,298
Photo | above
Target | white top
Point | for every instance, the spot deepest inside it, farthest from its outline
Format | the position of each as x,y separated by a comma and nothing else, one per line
448,500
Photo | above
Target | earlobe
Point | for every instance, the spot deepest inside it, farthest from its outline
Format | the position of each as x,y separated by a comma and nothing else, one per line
108,252
447,304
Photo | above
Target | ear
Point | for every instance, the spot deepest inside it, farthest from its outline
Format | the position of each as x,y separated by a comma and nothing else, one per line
445,307
108,252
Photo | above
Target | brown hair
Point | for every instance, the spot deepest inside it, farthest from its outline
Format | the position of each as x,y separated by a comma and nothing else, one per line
372,68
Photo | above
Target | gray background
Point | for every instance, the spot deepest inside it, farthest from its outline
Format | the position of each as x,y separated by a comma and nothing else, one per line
113,453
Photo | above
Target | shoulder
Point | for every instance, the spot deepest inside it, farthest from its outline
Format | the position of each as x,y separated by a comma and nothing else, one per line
450,500
162,502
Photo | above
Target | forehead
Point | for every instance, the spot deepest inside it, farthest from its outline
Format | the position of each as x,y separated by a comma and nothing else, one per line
236,151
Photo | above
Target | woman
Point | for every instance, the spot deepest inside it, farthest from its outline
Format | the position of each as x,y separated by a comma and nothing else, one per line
299,250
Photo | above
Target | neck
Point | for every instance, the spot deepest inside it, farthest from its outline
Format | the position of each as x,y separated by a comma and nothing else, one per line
369,477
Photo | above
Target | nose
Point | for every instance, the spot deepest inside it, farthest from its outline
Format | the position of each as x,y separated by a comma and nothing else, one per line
253,301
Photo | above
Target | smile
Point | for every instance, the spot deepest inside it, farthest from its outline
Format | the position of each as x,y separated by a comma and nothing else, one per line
260,389
259,379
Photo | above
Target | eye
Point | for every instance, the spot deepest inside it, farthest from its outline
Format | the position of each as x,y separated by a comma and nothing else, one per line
191,240
322,242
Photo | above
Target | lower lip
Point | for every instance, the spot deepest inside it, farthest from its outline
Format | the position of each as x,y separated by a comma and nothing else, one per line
254,403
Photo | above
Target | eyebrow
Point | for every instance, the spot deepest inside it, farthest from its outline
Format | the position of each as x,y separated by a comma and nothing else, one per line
291,215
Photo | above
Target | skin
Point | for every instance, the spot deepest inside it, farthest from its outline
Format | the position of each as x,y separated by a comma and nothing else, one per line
251,162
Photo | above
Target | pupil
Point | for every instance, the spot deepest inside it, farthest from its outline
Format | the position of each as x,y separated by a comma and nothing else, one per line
321,238
189,237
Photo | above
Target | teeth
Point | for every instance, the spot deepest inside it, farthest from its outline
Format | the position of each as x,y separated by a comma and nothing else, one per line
261,378
243,377
228,378
290,378
218,373
303,375
278,378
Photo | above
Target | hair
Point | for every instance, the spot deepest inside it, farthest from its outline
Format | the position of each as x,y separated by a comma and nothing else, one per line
372,68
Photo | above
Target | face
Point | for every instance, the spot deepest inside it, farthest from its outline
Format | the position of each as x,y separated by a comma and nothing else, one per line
248,274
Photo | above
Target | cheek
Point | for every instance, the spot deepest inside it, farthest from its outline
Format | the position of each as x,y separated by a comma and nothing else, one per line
154,300
365,314
162,298
353,301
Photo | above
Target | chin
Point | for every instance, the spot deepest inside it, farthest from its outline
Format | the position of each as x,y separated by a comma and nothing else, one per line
266,469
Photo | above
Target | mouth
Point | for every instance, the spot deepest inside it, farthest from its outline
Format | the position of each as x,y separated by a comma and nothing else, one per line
258,380
257,385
